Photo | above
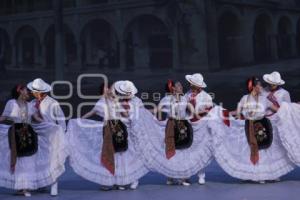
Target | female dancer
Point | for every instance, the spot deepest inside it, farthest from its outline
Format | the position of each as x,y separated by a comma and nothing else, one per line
275,94
287,115
30,159
176,147
201,103
250,148
50,111
104,152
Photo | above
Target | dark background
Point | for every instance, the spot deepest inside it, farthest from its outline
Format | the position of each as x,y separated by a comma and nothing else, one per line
149,42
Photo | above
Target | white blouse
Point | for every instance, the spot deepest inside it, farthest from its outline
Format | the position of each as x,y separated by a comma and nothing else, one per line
51,111
106,109
251,108
112,109
174,108
16,113
281,96
203,101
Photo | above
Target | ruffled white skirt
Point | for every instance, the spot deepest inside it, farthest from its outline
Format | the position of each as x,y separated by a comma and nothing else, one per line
150,137
289,129
232,152
85,145
37,171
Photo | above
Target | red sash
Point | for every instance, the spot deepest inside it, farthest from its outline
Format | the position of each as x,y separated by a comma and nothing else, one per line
226,117
193,102
37,106
197,116
169,139
271,97
108,151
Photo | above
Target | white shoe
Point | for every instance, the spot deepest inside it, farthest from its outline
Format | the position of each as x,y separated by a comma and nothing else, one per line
201,180
121,188
105,188
170,181
185,183
134,185
262,182
27,194
54,189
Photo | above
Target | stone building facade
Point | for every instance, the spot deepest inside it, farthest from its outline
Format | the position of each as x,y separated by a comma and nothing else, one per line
149,34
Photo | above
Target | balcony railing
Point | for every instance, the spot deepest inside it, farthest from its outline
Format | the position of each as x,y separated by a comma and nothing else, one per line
14,7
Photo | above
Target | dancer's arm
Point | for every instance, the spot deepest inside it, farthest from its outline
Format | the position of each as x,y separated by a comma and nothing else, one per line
239,109
6,120
89,114
274,108
36,118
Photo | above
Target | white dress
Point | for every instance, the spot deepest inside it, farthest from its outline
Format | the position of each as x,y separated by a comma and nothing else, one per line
203,101
150,134
51,112
288,117
281,95
37,171
232,151
85,144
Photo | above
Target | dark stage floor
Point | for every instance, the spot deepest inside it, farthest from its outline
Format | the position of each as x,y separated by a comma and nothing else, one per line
219,186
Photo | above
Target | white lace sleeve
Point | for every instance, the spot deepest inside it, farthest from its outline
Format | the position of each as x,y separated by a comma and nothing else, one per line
99,108
8,108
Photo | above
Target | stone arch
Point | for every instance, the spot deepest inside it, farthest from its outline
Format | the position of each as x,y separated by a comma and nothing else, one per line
230,39
148,43
100,44
5,48
263,31
70,46
285,37
298,37
229,9
28,47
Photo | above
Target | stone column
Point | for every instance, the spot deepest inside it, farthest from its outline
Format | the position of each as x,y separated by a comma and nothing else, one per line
176,53
122,54
293,43
79,49
19,54
77,3
14,55
246,45
79,55
59,39
43,56
212,35
273,47
122,40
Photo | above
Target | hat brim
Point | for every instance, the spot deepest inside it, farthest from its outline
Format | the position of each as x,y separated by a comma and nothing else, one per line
118,88
31,88
267,79
190,80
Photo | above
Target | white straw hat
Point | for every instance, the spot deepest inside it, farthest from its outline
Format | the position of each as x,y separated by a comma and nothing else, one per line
274,78
39,85
196,79
126,88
